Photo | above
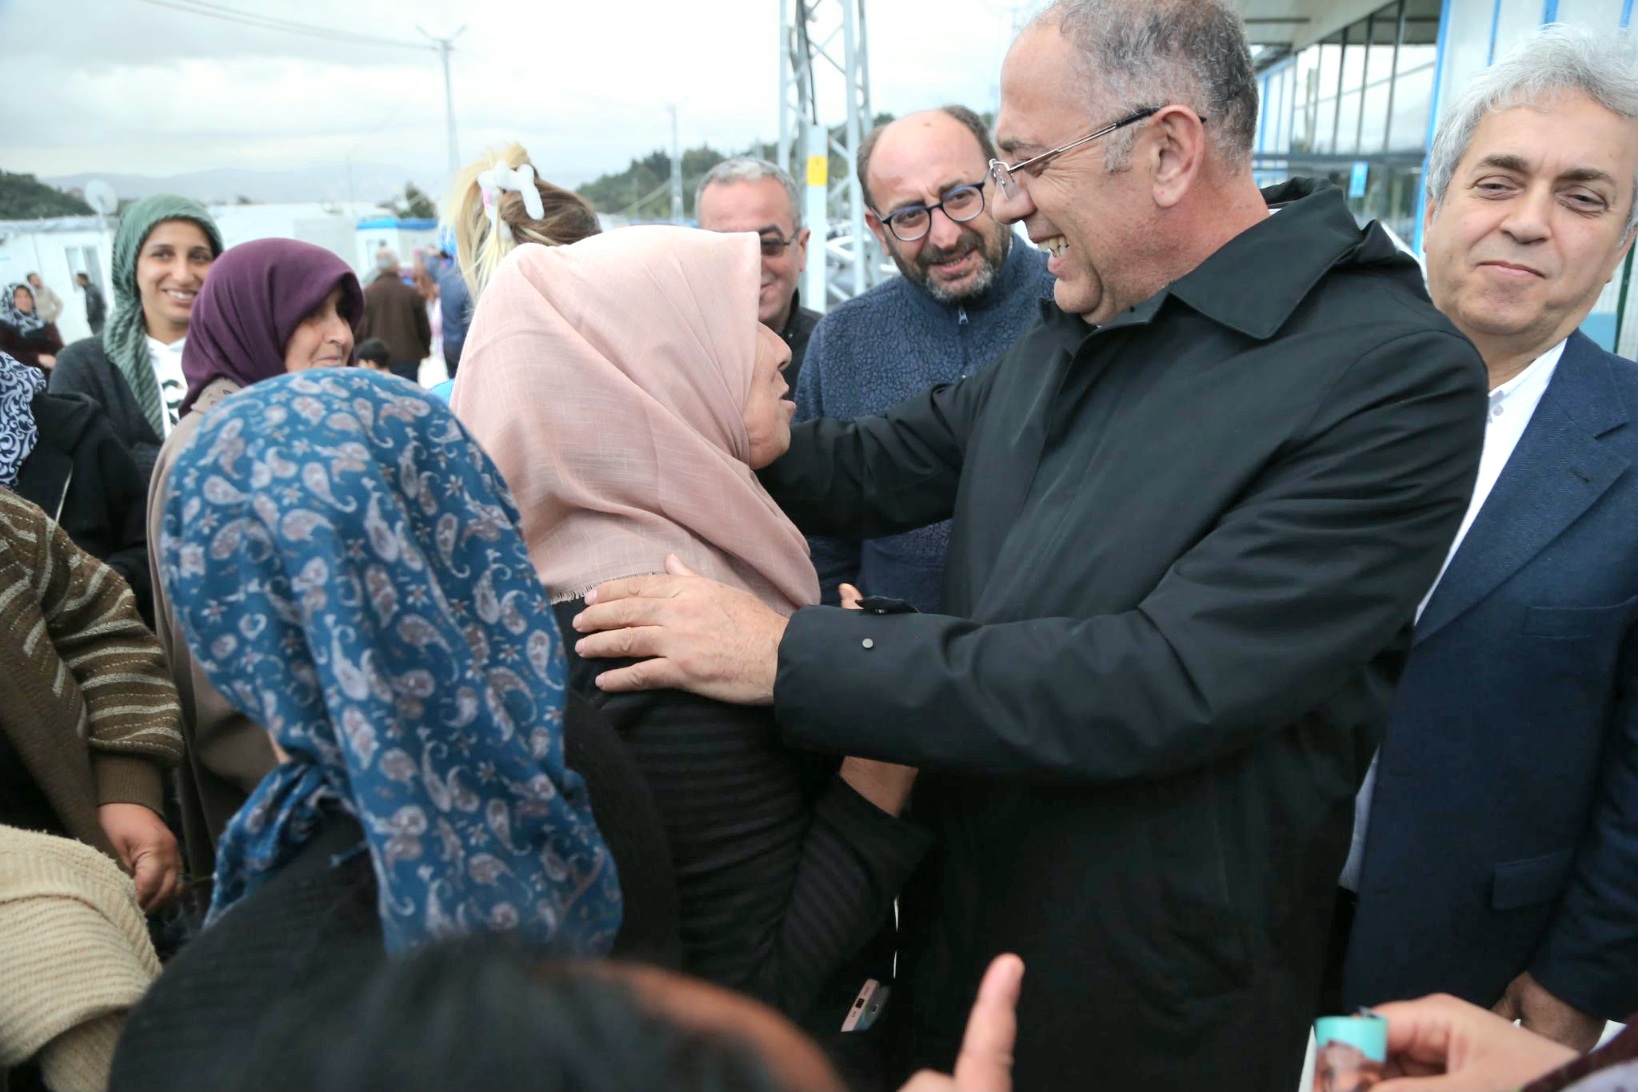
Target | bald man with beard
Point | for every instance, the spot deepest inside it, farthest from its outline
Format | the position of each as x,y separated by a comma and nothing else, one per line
968,291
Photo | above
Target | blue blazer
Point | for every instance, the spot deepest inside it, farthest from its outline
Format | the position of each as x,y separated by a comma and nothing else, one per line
1503,833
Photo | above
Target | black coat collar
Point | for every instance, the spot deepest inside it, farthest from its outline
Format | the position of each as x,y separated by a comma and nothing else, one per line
1254,282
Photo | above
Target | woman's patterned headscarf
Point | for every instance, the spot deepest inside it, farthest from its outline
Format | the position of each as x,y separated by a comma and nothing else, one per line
349,574
24,322
19,384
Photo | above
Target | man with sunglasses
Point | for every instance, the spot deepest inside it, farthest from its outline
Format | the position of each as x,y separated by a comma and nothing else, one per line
966,294
1194,509
746,194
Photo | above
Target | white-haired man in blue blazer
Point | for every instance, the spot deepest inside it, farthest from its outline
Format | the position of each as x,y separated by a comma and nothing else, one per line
1496,841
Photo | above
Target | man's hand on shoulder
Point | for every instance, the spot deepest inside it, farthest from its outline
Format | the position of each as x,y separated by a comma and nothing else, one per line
690,633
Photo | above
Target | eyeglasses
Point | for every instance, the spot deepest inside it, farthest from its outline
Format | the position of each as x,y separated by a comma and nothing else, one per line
913,222
773,246
1003,174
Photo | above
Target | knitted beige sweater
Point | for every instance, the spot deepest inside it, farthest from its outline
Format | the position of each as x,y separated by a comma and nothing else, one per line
76,952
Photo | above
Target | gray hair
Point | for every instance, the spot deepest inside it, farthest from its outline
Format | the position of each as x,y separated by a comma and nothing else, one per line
386,259
1143,53
1558,59
745,168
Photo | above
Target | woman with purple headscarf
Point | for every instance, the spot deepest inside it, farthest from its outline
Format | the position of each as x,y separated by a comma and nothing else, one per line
269,307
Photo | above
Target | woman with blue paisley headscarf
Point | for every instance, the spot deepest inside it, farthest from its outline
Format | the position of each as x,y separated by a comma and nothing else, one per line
345,564
347,570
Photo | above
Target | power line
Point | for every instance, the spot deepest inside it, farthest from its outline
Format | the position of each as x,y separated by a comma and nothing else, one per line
288,26
269,22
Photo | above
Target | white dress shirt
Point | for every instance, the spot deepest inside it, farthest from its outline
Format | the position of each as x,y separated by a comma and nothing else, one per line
1511,406
173,385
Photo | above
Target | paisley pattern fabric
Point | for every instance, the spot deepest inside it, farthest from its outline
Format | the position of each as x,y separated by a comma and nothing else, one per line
350,575
19,383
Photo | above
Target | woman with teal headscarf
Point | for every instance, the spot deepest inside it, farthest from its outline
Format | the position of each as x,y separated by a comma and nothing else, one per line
162,251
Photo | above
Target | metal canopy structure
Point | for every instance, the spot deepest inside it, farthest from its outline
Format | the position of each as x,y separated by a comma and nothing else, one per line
824,112
1277,28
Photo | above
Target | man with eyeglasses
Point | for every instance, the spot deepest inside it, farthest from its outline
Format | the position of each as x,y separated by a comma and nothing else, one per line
1194,509
966,294
747,194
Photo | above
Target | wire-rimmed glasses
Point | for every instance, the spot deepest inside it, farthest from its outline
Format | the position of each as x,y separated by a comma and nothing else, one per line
1003,173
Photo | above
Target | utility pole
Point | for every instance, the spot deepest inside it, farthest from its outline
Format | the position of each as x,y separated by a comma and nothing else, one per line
676,170
444,46
819,41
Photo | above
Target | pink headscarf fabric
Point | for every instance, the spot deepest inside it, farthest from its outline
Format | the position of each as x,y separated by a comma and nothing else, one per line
608,381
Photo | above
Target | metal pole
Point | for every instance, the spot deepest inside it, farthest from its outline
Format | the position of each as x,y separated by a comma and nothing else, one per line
816,218
1393,81
445,47
1336,107
676,170
787,78
855,132
449,110
1364,83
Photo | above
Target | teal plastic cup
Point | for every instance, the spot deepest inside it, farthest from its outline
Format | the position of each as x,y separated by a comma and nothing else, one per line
1368,1034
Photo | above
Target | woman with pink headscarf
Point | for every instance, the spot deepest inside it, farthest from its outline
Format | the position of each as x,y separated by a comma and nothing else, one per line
627,392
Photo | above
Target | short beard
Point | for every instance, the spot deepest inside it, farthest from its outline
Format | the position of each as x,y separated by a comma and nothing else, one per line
992,253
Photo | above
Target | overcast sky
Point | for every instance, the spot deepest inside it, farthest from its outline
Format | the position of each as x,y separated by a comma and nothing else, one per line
127,86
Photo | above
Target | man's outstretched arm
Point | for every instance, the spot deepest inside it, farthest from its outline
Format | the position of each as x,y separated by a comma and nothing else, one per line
879,475
1304,581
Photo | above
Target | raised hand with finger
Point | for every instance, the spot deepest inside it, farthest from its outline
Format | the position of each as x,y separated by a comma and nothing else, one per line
985,1061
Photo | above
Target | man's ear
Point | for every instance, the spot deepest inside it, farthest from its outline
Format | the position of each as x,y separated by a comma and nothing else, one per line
878,229
1177,152
800,242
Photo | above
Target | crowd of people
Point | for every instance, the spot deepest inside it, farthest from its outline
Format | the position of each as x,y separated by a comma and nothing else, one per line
1092,658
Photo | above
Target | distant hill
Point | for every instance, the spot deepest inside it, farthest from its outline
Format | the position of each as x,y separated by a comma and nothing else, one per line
370,182
24,197
643,190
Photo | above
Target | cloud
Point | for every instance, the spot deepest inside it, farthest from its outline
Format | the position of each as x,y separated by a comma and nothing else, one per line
124,86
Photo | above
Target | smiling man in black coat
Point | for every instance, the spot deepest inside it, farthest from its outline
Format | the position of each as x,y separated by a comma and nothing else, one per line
1194,510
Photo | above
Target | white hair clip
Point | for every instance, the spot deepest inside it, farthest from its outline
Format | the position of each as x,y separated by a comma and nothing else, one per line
501,179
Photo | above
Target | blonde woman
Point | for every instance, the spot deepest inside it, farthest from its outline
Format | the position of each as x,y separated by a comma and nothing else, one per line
498,203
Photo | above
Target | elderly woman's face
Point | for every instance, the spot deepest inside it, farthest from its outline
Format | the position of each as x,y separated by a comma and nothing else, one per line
23,299
767,410
323,340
